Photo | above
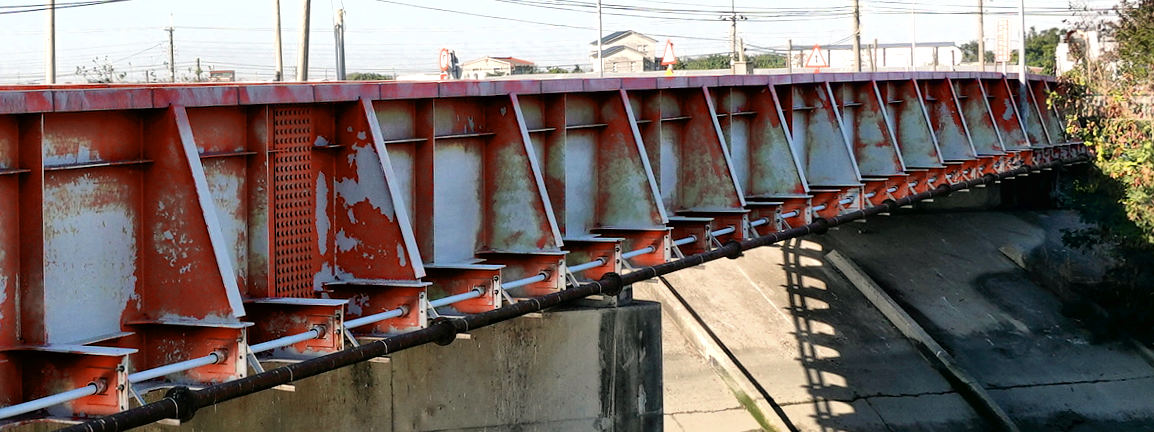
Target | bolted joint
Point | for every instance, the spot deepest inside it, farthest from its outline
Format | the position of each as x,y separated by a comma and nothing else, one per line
820,226
733,249
890,205
185,401
321,330
455,327
943,190
101,385
221,355
611,284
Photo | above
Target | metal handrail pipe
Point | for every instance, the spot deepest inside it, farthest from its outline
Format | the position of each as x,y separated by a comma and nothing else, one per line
157,372
47,401
313,333
591,264
522,282
445,301
639,252
375,318
723,231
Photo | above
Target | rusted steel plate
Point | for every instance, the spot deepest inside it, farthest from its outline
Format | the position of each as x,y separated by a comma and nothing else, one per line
868,129
911,124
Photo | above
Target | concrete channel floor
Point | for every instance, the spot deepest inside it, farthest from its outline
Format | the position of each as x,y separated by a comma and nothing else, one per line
834,363
822,352
1044,368
695,397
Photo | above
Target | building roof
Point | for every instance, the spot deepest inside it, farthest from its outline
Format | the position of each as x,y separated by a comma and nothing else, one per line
510,60
620,34
614,50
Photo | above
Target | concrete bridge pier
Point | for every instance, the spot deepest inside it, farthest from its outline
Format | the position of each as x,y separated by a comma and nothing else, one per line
573,369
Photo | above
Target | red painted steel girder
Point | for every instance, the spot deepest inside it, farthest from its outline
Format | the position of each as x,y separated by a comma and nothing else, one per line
142,226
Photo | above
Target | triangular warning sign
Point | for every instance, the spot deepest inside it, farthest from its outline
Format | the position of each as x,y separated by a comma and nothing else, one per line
816,59
668,58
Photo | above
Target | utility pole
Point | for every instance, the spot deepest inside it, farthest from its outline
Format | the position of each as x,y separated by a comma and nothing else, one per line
600,31
171,51
303,59
981,35
874,56
789,56
1023,112
734,56
856,36
50,55
914,36
279,73
339,34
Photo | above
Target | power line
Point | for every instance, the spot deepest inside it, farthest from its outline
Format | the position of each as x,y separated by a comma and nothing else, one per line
44,7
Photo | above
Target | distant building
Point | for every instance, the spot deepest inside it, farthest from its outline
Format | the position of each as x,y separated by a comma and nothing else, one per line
626,51
1079,44
496,66
886,55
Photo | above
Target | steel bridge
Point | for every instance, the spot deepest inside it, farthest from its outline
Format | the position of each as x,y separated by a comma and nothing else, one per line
176,235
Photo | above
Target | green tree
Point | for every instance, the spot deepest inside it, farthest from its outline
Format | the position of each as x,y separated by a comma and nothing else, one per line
368,76
1134,32
767,61
970,53
1041,48
712,61
556,70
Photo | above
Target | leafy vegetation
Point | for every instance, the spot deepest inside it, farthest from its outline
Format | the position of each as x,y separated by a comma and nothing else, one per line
721,61
1109,104
1040,49
368,76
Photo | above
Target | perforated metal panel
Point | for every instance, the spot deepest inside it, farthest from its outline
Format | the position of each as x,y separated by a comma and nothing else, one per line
293,203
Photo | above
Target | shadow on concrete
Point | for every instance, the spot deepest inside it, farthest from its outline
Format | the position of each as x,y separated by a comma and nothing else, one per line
860,373
809,323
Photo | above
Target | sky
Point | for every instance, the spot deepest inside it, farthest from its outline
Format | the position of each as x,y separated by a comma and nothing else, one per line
405,36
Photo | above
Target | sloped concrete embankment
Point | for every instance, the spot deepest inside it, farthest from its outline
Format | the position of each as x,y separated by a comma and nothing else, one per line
951,273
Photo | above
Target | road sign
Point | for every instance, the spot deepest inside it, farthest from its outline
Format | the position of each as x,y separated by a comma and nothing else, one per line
816,58
444,60
668,58
1002,54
